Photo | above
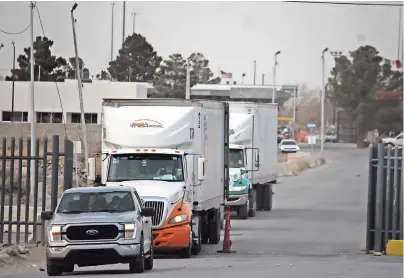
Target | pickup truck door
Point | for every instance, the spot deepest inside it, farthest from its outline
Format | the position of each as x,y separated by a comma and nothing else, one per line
147,225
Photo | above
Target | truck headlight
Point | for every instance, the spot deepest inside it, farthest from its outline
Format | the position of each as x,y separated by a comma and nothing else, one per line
55,233
130,231
178,219
237,188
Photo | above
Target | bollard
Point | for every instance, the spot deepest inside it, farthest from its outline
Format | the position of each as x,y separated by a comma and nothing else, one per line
226,240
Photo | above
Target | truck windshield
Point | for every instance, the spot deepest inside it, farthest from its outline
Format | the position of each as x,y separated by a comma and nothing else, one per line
236,158
85,202
125,167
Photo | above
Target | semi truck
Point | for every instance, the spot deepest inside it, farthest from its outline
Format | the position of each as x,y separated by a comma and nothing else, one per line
173,153
252,157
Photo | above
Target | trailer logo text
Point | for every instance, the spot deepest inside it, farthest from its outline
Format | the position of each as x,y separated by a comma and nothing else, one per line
142,123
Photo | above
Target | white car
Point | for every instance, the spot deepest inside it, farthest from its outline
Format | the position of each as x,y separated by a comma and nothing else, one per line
396,141
289,146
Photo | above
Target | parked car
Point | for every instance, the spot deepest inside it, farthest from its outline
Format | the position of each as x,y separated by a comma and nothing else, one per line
330,138
98,226
396,141
289,146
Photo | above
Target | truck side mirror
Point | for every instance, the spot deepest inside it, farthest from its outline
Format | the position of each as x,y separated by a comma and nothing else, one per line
91,169
201,168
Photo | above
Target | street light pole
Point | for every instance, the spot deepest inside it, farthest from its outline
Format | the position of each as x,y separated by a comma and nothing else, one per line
123,23
134,16
255,71
322,101
263,79
274,85
188,83
83,121
112,31
31,113
12,90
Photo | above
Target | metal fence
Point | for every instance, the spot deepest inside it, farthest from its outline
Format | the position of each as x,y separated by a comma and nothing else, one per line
23,192
385,202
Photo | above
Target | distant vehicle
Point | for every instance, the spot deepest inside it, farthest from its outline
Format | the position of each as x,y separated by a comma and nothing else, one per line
289,146
98,226
330,138
396,141
280,137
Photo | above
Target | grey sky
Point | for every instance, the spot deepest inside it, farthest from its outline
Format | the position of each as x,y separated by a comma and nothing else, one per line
230,34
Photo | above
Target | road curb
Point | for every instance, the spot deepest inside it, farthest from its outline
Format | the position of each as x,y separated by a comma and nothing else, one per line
394,248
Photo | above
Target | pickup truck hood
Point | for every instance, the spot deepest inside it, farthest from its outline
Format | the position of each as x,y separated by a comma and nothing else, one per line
149,189
94,217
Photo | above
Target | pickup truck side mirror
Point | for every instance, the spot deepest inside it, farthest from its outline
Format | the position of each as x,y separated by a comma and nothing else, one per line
148,212
46,215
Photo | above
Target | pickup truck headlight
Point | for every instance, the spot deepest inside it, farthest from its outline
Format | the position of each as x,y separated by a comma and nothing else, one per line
130,231
237,188
55,233
178,219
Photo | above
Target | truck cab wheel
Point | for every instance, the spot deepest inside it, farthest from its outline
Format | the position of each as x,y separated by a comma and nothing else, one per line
214,227
197,246
186,253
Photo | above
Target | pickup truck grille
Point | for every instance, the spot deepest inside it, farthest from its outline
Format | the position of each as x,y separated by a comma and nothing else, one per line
158,211
92,232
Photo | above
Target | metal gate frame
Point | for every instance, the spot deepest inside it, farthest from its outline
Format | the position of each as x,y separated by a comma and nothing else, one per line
385,202
30,158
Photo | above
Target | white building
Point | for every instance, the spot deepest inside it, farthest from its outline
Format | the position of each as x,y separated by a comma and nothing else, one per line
59,102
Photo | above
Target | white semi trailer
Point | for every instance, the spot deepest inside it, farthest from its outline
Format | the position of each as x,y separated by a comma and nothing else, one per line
253,156
173,152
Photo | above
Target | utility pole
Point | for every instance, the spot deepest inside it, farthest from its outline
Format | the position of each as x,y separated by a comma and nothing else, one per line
31,113
123,23
294,111
134,16
274,85
322,101
83,120
242,80
112,32
188,83
255,70
263,79
12,90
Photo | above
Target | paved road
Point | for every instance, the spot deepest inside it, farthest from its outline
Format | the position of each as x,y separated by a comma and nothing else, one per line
315,230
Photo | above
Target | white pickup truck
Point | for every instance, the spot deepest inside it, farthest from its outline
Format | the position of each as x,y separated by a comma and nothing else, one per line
394,141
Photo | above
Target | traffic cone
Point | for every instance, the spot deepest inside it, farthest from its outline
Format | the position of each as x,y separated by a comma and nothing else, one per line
226,240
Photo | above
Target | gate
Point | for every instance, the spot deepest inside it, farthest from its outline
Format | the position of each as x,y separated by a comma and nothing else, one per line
385,203
20,202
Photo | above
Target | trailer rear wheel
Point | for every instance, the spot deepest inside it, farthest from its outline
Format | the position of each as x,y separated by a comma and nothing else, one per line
252,196
214,227
243,211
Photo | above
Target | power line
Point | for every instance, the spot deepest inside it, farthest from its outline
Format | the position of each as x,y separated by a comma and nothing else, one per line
15,33
347,3
39,16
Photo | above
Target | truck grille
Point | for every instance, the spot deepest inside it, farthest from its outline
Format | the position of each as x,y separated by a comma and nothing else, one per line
92,232
158,211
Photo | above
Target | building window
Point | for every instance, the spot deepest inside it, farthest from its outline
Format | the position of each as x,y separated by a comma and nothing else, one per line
49,117
91,118
18,116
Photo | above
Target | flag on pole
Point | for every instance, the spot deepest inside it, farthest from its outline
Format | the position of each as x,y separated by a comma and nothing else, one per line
226,75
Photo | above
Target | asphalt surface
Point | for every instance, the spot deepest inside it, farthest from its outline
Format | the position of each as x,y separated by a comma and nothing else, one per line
316,229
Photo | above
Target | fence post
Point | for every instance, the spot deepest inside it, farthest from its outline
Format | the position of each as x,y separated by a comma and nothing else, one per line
387,200
55,172
68,165
379,198
370,208
3,186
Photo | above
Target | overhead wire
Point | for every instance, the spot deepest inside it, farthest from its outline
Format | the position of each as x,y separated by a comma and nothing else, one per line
15,33
56,84
348,3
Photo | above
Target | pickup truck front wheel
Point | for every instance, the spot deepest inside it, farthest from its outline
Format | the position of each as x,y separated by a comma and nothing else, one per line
138,266
53,270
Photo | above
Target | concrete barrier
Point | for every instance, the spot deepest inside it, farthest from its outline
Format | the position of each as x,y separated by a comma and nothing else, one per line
299,164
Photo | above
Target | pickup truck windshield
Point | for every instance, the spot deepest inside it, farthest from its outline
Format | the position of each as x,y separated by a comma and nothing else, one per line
85,202
236,158
125,167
